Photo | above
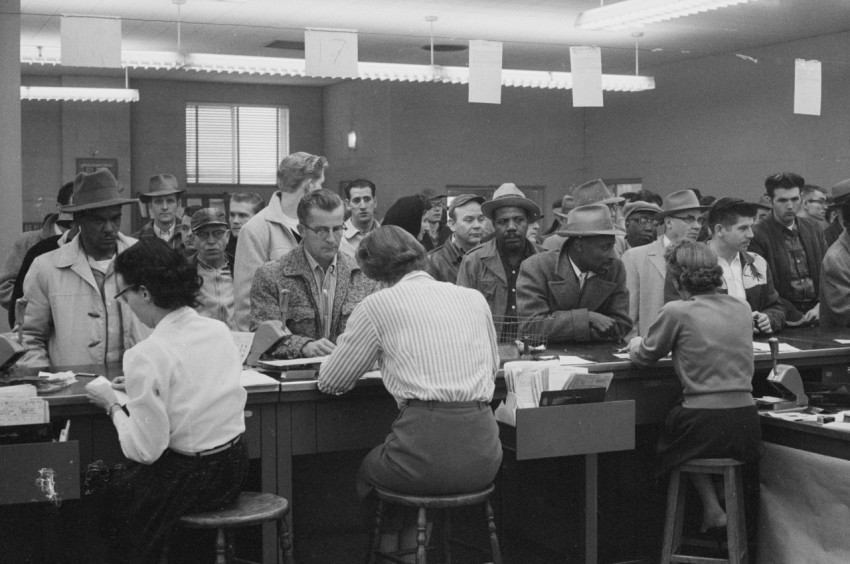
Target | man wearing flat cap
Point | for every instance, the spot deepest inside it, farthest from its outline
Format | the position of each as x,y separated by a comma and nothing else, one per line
793,248
593,192
839,194
640,219
646,269
162,200
577,293
745,274
273,232
73,316
466,221
493,267
215,299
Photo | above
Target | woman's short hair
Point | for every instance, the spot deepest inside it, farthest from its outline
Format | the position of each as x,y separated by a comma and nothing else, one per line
171,280
294,169
694,265
389,252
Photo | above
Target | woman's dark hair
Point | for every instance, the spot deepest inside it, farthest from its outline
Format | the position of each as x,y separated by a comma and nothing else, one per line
407,212
171,280
388,253
694,265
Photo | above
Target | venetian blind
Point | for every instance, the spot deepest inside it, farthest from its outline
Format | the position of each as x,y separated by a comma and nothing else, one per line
232,144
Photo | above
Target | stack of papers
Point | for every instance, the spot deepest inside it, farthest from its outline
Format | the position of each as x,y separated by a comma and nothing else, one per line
764,347
287,362
20,405
254,381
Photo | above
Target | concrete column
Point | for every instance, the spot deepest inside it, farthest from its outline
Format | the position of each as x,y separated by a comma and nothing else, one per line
11,197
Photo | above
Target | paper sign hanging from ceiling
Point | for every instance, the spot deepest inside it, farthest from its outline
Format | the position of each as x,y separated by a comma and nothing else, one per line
331,53
586,69
807,87
485,72
90,42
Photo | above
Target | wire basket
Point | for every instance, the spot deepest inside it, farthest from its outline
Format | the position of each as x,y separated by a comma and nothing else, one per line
528,333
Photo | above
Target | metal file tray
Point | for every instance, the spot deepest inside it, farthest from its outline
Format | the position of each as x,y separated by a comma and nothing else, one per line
568,430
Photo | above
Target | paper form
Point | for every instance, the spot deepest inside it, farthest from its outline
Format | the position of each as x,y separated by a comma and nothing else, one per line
586,69
485,72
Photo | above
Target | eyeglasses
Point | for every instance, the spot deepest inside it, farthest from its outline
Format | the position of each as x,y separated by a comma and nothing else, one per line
643,221
325,231
690,219
820,201
124,291
206,235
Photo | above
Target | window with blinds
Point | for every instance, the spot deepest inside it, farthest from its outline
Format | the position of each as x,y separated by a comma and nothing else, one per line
232,144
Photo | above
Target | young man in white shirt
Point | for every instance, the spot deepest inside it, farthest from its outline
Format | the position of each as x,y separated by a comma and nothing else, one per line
360,201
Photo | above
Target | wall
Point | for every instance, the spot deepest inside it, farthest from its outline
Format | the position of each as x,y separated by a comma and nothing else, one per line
416,136
722,124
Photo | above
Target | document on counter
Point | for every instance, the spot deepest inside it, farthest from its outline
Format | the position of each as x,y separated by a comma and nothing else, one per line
101,382
257,382
843,341
566,360
765,348
287,362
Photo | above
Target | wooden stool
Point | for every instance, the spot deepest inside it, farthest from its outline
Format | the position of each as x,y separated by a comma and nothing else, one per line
736,528
444,502
251,508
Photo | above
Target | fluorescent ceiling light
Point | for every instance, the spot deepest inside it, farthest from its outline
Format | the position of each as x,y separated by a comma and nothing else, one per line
77,94
279,66
637,13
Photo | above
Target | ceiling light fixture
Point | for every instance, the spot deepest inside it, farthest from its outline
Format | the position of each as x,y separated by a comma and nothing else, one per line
279,66
78,94
637,13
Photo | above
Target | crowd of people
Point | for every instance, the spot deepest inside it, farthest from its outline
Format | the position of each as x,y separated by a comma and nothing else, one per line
684,272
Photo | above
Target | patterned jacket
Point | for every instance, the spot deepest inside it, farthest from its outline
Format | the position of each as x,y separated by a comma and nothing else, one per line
292,272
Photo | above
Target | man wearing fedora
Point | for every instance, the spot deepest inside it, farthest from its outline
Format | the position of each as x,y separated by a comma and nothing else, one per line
839,194
793,248
162,200
493,267
273,232
681,214
466,221
73,316
565,206
579,292
215,300
593,192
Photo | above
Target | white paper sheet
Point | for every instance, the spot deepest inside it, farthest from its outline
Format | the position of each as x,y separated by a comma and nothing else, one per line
567,360
807,87
286,362
586,69
485,72
331,53
90,42
764,347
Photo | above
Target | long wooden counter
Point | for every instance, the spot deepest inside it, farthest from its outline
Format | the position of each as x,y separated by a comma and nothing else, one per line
299,420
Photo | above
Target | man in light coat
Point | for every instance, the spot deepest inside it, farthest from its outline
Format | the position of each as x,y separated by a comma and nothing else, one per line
645,266
273,232
73,316
835,278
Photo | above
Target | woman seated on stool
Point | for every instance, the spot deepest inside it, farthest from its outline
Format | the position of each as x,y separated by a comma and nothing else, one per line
186,406
711,337
435,344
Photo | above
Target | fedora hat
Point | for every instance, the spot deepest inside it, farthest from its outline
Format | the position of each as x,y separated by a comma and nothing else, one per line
640,206
96,190
593,192
680,201
588,221
840,191
161,185
509,195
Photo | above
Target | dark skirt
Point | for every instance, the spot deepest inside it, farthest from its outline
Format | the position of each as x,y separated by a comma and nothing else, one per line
145,503
435,448
709,433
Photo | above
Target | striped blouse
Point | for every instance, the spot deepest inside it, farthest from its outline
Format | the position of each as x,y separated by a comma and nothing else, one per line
432,340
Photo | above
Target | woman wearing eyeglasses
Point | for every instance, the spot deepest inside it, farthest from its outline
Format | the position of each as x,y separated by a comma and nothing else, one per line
184,421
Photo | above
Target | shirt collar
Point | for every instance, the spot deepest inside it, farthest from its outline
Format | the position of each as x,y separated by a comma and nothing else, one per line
587,275
161,234
314,265
665,240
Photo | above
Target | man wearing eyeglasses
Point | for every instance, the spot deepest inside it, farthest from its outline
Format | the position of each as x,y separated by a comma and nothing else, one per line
215,300
72,316
322,283
681,215
813,204
793,247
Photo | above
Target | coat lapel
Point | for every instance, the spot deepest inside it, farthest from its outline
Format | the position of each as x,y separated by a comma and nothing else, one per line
655,254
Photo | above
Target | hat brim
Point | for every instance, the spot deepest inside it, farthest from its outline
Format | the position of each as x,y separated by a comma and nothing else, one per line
159,194
71,208
611,232
612,200
664,214
222,223
491,206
